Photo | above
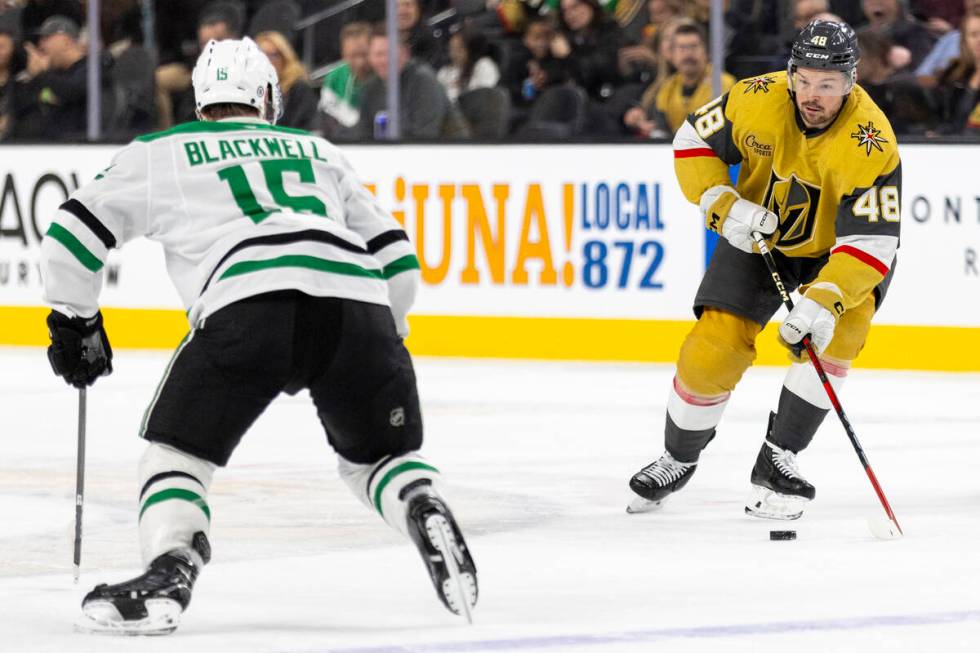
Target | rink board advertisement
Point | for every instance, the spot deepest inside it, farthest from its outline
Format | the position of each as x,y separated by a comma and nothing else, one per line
578,252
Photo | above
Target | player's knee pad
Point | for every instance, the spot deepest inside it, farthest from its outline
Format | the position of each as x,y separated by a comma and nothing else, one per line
716,353
173,500
851,332
382,486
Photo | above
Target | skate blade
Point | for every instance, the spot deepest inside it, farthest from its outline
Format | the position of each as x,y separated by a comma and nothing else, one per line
102,618
766,504
884,528
639,505
459,589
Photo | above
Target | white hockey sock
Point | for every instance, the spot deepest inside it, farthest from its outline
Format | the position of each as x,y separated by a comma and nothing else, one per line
802,380
692,412
379,486
173,500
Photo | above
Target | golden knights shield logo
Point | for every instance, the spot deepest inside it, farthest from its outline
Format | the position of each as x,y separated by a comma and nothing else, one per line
795,202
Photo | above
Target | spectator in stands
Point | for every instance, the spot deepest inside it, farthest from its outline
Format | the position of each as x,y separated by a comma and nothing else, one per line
589,41
8,49
903,101
912,40
175,102
121,25
37,11
639,63
829,16
632,16
423,46
425,111
659,12
298,97
700,12
531,67
10,11
512,16
175,32
946,49
807,10
939,16
220,21
57,68
850,11
959,85
340,95
470,66
754,39
665,106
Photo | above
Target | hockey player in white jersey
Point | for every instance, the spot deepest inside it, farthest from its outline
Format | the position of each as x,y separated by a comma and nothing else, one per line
293,278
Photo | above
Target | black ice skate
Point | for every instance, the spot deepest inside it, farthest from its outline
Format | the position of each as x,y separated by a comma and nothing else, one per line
150,604
779,491
439,540
658,480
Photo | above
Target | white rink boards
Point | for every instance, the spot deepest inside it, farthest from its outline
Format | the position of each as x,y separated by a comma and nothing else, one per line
537,456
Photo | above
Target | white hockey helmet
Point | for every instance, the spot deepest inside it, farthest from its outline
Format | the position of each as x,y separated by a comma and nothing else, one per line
237,71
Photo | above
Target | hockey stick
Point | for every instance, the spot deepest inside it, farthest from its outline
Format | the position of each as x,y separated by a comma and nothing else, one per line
818,366
79,483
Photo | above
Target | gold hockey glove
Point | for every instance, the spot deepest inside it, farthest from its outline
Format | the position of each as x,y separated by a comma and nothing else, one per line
726,213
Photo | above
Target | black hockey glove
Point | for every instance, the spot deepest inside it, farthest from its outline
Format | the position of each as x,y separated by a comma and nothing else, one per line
79,351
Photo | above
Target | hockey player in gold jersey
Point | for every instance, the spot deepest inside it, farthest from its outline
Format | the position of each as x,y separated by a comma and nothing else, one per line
820,177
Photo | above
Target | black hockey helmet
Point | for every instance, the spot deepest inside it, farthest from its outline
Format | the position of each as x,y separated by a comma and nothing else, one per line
826,45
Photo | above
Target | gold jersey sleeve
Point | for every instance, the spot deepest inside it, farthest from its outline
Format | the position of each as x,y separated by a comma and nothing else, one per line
836,190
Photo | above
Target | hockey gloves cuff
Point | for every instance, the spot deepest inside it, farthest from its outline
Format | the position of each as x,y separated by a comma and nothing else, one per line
808,318
726,213
79,351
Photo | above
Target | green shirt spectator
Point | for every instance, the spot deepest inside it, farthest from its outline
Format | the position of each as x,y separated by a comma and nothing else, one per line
340,96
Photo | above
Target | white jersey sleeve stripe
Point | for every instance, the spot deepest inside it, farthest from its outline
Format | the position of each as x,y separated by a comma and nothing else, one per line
392,248
687,138
399,265
86,217
381,241
76,247
880,248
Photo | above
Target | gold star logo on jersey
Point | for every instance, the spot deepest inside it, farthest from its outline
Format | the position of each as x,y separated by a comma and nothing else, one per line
757,84
869,137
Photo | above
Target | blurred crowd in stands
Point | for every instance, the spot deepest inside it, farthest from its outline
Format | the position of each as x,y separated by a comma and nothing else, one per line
486,70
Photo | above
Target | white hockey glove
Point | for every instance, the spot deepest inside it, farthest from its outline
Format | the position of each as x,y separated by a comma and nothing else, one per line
726,213
807,318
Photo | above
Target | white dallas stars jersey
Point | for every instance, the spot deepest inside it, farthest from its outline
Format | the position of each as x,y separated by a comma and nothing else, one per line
241,208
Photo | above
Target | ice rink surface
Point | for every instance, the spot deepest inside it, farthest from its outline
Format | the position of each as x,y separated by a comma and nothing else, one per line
537,457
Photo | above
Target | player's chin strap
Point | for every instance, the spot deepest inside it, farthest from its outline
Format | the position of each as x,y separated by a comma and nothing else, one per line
831,394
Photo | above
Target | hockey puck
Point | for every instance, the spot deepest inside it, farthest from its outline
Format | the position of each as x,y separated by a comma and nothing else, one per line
782,535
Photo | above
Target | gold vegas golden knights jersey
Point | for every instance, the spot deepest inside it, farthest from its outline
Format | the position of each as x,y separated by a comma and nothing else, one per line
836,190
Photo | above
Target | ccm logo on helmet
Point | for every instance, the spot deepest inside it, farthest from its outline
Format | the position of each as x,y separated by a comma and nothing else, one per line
816,55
